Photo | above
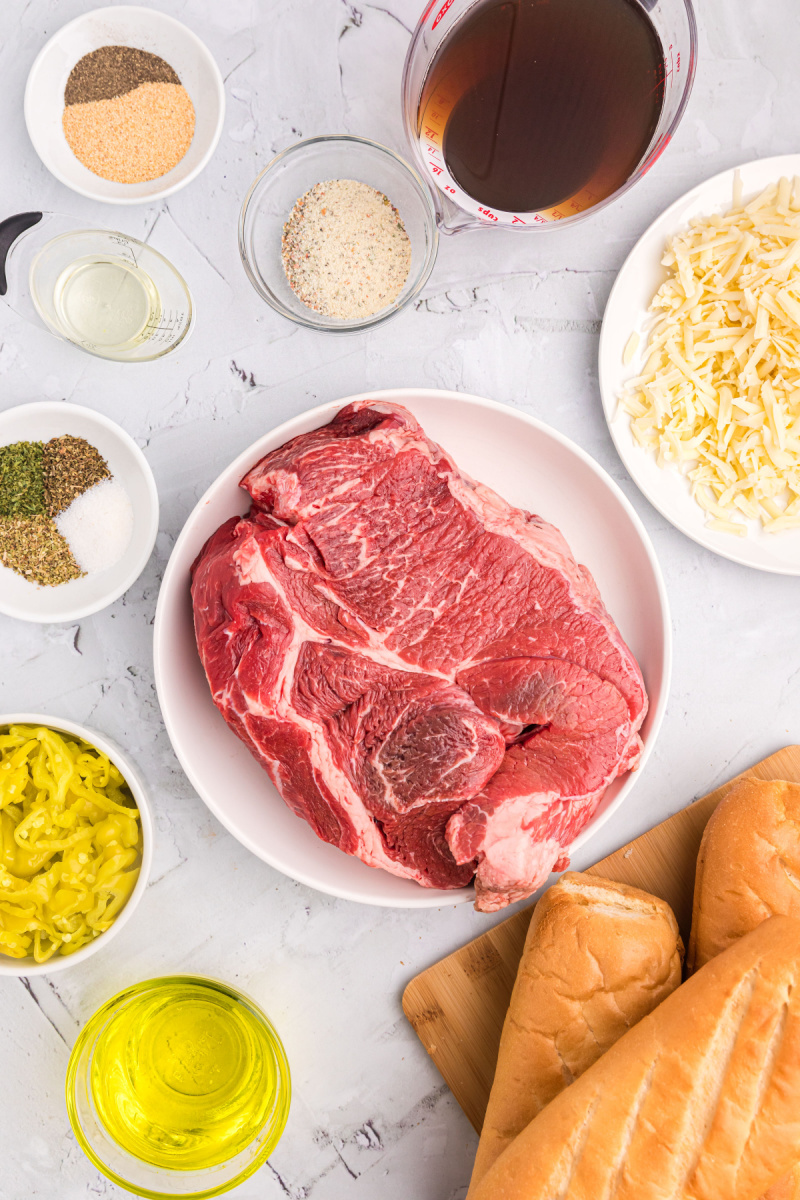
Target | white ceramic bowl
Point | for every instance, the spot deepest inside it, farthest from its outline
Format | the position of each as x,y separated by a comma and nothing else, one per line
27,966
627,311
145,29
79,598
533,467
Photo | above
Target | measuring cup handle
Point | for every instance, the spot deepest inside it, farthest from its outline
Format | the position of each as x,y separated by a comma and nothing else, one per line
10,230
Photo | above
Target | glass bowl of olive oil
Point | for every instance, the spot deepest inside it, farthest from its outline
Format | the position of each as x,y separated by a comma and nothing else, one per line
178,1087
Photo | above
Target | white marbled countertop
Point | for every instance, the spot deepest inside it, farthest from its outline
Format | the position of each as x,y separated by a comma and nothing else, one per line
513,318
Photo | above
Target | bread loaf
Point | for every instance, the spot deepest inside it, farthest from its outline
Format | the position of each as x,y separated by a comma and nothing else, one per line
598,957
699,1101
748,867
787,1188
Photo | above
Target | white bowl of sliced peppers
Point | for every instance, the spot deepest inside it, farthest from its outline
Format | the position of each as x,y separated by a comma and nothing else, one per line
76,843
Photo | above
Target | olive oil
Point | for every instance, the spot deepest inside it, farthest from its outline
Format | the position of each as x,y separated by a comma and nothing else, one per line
106,302
184,1076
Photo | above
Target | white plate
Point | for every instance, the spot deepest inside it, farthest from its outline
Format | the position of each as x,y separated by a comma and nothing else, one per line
38,422
28,966
533,467
145,29
626,312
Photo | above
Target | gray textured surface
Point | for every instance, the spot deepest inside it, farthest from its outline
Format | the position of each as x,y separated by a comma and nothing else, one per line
510,317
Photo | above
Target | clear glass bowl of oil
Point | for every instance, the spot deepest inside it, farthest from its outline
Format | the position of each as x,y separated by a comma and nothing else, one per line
106,292
178,1087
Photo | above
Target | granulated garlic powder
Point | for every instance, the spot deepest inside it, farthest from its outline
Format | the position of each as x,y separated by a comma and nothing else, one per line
345,249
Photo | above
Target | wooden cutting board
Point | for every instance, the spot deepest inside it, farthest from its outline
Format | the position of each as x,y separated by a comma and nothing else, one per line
458,1006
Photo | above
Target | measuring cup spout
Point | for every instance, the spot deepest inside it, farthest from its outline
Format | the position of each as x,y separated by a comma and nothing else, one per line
10,230
452,219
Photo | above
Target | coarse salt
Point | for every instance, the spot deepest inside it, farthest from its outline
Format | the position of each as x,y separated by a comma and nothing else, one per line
98,525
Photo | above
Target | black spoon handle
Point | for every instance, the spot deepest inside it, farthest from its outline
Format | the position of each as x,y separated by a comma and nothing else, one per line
10,229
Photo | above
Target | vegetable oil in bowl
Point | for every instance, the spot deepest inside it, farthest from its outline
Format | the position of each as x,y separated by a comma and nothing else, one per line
180,1074
107,302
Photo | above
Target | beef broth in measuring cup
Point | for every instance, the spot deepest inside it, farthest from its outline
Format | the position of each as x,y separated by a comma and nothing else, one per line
541,107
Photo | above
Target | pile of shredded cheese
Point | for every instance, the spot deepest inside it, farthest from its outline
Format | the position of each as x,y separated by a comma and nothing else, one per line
719,395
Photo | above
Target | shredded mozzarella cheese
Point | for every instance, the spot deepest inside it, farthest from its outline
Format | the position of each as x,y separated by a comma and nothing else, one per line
719,394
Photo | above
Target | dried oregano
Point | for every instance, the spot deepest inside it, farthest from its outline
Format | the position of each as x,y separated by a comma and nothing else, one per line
33,547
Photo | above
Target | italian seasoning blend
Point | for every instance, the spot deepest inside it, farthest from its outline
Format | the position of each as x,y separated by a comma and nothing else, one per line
70,466
126,115
345,249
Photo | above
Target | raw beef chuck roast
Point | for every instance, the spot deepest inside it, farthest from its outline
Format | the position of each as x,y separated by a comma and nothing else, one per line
425,672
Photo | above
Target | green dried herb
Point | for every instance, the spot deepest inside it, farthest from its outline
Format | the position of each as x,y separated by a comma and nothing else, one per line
33,547
21,479
70,466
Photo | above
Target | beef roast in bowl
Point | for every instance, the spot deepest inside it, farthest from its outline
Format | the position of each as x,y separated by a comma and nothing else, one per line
409,726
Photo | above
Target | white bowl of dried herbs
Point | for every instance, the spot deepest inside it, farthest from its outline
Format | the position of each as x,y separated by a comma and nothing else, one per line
78,512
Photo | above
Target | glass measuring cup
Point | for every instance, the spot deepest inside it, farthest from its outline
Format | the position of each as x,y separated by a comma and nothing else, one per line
106,292
675,27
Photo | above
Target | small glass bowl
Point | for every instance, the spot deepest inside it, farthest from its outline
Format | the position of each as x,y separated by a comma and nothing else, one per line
289,176
142,1178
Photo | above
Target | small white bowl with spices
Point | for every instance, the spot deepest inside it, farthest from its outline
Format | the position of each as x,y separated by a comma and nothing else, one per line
78,512
125,105
338,234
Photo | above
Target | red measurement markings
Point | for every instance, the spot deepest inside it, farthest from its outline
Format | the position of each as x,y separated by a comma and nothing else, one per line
432,150
487,212
658,152
448,4
437,170
518,221
671,64
430,134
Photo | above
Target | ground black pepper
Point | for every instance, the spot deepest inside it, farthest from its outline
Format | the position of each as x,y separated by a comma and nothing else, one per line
112,71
